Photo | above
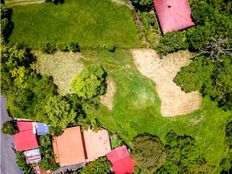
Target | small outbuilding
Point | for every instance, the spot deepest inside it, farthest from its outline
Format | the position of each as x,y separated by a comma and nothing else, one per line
69,147
173,15
41,128
121,161
97,143
32,156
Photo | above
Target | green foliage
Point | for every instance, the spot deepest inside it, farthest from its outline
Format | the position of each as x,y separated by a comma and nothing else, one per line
148,153
226,162
9,128
183,155
172,41
143,5
213,79
99,166
46,150
25,90
73,46
49,47
59,114
90,83
220,89
6,23
196,75
21,162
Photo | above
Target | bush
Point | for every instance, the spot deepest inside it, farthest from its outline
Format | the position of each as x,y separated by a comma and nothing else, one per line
90,83
73,46
148,152
171,42
49,48
142,5
9,128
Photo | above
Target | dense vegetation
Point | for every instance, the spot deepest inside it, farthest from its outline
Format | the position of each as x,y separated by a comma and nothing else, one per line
9,127
48,161
148,153
98,166
6,23
21,162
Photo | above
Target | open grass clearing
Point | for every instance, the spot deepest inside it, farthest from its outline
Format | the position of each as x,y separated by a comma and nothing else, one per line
137,108
174,101
91,23
62,66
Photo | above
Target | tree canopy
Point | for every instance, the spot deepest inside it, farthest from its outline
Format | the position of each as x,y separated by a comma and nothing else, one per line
148,153
90,83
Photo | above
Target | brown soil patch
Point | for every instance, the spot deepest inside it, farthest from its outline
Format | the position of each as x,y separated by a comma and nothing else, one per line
61,65
108,98
174,101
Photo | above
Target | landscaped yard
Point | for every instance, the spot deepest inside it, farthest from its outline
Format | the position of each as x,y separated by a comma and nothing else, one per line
91,23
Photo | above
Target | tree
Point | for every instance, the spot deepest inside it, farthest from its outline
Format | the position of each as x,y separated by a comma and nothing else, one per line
143,5
46,150
90,83
148,153
221,84
183,156
9,128
59,114
99,166
21,162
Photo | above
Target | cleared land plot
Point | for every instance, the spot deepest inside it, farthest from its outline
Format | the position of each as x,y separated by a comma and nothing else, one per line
91,23
62,66
174,101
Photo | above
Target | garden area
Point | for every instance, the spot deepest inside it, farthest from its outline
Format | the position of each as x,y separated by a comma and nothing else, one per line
78,45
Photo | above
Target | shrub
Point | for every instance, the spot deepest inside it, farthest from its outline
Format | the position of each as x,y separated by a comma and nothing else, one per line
148,153
90,83
142,5
9,128
73,46
171,42
49,47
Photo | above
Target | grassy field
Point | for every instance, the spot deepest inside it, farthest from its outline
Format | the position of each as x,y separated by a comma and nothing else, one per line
137,108
91,23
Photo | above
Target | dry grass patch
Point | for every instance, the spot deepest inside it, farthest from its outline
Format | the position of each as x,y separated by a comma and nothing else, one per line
174,101
108,98
62,66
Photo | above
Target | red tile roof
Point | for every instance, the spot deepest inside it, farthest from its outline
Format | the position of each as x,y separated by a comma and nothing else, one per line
23,125
121,161
173,14
25,140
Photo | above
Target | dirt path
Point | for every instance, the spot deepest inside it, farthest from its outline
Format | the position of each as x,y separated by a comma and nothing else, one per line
62,66
174,101
108,98
22,2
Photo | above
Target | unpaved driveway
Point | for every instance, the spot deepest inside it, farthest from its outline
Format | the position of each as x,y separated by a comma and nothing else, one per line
174,101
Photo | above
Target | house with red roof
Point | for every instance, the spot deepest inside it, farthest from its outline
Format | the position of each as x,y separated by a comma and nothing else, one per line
25,139
121,161
173,15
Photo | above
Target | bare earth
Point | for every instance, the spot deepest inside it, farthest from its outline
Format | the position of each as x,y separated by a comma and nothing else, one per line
62,66
174,101
108,97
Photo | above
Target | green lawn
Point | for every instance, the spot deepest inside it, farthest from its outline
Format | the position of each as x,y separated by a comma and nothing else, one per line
137,108
92,23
